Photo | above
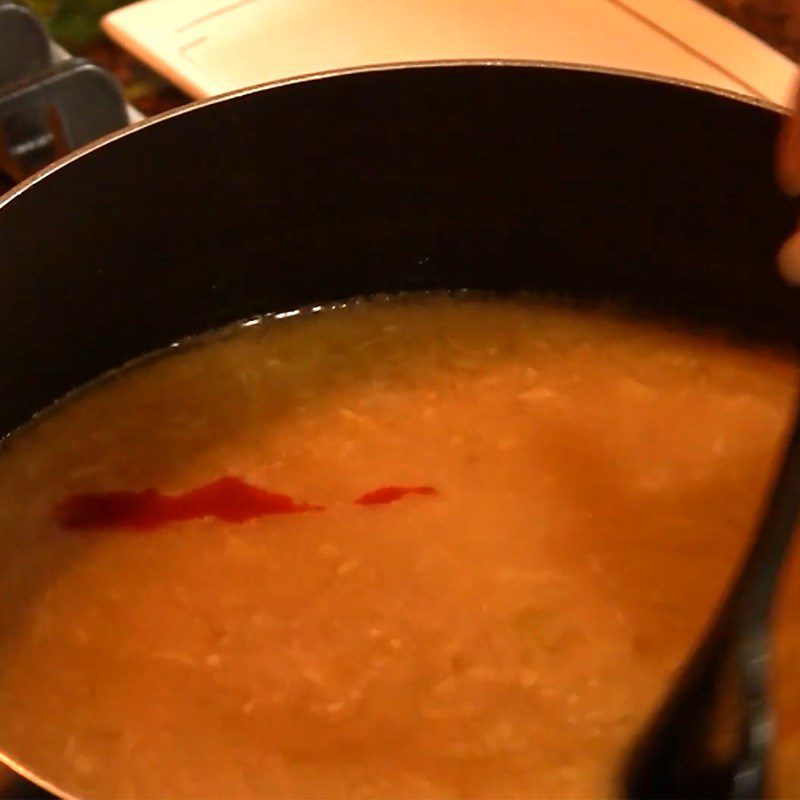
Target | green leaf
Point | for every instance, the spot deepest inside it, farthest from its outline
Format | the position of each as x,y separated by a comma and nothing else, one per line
42,8
76,23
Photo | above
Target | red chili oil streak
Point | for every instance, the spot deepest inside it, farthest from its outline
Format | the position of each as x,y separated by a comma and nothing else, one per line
388,494
228,499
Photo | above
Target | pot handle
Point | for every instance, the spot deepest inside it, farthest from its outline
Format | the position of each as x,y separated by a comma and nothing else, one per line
50,104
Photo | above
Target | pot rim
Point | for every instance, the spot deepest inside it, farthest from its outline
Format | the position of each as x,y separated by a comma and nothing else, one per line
103,141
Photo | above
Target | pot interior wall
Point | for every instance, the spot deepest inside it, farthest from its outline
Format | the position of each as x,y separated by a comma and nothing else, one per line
586,184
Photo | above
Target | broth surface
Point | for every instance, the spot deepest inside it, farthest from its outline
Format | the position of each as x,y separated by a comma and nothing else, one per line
596,480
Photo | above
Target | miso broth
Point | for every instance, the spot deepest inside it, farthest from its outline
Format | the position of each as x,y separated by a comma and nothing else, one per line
558,497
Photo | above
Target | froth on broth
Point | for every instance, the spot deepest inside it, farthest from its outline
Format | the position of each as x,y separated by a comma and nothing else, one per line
593,481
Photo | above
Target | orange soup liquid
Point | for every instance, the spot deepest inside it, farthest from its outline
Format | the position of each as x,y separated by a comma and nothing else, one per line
590,483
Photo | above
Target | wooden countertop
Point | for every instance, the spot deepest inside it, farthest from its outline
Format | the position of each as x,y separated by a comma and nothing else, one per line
777,22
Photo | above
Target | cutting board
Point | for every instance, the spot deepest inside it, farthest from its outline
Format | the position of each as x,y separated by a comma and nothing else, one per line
209,47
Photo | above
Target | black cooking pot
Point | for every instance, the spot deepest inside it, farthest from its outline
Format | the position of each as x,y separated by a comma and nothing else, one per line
503,176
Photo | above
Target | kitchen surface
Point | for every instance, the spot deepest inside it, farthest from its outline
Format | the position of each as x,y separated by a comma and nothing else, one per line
776,22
